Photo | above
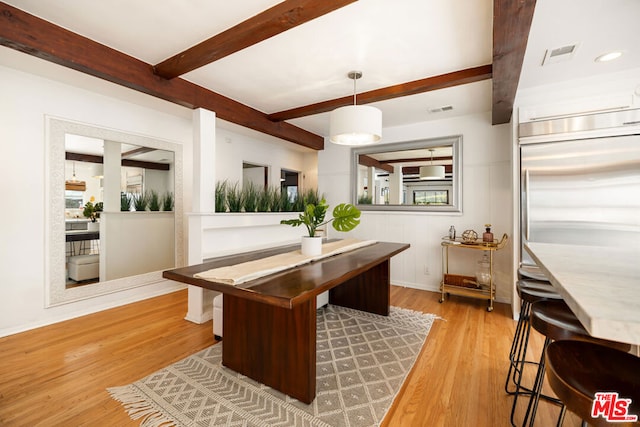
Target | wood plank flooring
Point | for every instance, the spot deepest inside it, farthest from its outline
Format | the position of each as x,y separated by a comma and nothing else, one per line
58,375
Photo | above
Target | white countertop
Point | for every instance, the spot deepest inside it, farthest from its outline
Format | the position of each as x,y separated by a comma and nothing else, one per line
600,284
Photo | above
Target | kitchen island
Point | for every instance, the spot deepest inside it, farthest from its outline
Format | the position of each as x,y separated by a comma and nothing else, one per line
601,285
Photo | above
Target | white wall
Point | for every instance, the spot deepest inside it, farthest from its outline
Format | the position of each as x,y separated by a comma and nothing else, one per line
136,243
32,89
232,149
487,198
26,99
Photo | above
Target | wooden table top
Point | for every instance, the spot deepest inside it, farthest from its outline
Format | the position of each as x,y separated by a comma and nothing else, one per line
601,285
293,286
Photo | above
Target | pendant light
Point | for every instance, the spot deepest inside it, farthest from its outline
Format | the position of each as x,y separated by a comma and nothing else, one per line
355,124
432,171
73,183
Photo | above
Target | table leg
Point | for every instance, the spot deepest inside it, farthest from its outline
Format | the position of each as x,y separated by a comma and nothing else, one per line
273,345
369,291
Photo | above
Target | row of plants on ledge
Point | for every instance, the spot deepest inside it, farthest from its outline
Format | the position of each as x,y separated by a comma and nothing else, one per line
149,200
231,197
364,199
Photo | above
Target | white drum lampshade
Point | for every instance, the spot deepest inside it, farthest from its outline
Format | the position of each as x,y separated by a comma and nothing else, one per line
355,125
432,172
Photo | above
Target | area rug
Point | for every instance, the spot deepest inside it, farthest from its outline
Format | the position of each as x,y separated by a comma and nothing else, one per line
362,362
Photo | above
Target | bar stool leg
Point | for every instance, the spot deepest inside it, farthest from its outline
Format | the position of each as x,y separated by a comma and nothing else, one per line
563,411
532,407
518,350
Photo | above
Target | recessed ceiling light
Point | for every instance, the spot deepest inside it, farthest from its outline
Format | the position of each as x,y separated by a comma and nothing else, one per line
609,56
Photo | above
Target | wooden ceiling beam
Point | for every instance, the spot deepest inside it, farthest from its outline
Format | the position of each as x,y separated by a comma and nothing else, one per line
271,22
137,151
511,26
368,161
34,36
420,159
415,170
92,158
442,81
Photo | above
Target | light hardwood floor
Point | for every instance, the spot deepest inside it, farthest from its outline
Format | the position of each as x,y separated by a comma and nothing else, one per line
58,375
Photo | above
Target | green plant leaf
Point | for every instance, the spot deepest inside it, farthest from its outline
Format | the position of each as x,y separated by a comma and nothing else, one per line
221,196
319,211
346,217
292,222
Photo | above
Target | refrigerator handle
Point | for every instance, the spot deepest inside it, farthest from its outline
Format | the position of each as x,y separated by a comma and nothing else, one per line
526,204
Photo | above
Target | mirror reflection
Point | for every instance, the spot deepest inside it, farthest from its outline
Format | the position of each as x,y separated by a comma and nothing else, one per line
132,247
117,197
290,182
418,175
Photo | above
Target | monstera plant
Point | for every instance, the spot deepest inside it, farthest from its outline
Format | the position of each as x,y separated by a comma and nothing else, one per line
346,217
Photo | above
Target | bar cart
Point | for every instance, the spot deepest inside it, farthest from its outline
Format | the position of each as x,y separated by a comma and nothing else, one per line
468,286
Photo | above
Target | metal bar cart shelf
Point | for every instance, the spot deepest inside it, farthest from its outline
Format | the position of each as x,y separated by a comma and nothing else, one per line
467,286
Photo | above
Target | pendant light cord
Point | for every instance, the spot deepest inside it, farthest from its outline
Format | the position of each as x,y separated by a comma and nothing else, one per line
354,91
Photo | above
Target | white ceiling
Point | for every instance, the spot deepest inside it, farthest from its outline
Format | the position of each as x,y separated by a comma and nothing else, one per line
93,146
390,41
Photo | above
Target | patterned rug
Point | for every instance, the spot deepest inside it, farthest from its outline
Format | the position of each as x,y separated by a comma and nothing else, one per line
362,361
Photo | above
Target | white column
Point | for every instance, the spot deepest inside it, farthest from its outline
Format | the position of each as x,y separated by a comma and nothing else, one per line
200,305
395,185
111,161
371,185
111,172
204,160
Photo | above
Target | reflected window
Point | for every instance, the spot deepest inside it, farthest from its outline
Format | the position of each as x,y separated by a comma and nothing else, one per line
73,199
431,197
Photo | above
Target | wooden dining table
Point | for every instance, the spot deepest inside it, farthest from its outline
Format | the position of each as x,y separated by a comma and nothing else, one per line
269,323
601,285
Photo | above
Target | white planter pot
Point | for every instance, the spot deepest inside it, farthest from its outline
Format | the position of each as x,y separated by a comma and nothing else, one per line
311,246
93,226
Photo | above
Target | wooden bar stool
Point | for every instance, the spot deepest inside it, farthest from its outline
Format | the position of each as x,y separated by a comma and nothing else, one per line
529,291
534,273
556,321
577,370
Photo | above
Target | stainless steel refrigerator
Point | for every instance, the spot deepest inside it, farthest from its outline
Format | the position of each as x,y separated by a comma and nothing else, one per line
580,191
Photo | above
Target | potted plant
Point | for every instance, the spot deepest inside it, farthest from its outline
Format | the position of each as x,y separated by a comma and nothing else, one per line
125,202
92,212
140,202
346,217
154,201
168,202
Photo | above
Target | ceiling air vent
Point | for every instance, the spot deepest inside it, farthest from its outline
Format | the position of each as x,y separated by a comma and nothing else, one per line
441,109
559,54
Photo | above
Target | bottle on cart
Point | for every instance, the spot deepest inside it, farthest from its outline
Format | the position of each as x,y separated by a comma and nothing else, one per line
483,271
452,233
487,236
